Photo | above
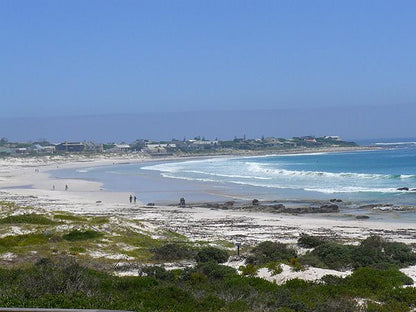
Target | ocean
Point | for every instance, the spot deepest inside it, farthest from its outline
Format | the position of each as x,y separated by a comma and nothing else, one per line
363,175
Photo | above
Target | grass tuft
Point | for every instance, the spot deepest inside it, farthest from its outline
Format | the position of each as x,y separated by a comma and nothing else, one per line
77,235
28,219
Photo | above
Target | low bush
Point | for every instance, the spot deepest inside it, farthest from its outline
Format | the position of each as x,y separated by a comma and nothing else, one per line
208,254
369,281
27,219
373,251
213,270
376,251
23,240
268,251
309,241
157,272
76,235
62,283
274,268
173,251
248,270
335,256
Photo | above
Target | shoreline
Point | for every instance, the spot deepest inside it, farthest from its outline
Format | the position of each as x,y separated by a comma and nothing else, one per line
88,197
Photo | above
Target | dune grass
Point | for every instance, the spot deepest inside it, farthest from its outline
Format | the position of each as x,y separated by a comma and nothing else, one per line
28,219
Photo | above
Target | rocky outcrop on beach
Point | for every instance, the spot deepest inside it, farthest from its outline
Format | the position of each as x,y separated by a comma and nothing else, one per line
271,207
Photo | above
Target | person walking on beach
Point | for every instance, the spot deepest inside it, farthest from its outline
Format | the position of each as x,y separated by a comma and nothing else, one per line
53,187
66,187
134,198
131,198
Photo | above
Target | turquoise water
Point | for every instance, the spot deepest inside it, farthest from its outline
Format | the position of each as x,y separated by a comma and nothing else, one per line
369,175
361,175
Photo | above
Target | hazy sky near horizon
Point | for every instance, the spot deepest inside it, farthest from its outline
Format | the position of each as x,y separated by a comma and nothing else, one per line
80,57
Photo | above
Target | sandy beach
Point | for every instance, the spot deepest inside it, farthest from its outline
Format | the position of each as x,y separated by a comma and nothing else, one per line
26,182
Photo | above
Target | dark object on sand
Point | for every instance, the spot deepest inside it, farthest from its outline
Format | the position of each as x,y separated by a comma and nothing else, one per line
182,202
328,208
334,200
362,217
403,188
150,204
255,202
229,203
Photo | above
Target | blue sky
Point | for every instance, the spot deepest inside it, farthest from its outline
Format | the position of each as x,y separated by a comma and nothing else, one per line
80,58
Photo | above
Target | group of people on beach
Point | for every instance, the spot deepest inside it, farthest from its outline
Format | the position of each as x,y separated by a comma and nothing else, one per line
132,198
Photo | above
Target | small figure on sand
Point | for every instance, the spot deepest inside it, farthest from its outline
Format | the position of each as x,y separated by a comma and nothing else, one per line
131,198
66,187
182,202
53,187
134,198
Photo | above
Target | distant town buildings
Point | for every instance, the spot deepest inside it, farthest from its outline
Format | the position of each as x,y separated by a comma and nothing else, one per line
163,148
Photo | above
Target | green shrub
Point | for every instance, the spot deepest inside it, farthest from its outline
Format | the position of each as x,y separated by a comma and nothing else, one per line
248,270
173,251
76,235
207,254
274,268
213,270
369,281
334,256
157,272
23,240
308,241
375,251
336,305
268,251
69,217
27,219
294,262
311,260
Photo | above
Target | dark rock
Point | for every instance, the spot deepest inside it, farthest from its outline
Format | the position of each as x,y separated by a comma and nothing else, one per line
255,202
362,217
329,208
403,188
278,206
150,204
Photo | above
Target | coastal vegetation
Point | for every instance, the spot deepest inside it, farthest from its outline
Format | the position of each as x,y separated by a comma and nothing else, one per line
63,283
63,260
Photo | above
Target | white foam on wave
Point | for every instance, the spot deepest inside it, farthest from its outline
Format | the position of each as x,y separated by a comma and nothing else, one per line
224,175
351,189
84,170
268,175
258,168
178,166
395,143
166,175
